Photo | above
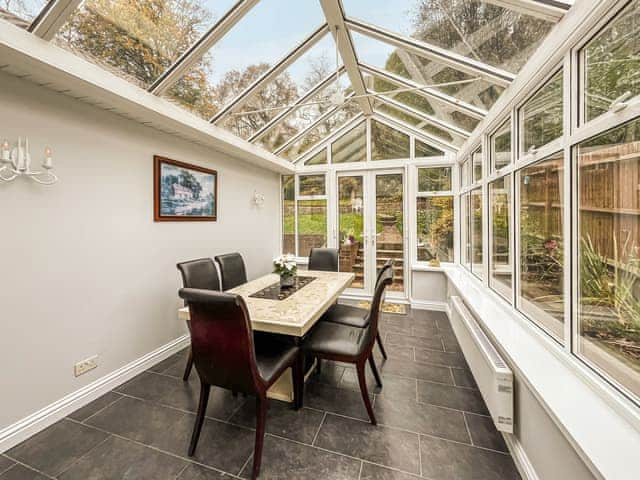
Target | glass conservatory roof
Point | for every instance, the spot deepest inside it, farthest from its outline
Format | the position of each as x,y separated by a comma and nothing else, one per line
288,74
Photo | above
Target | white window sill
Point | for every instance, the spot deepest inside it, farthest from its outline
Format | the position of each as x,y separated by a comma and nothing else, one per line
424,267
601,424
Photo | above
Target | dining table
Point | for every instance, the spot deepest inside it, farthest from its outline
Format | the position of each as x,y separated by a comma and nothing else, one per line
290,311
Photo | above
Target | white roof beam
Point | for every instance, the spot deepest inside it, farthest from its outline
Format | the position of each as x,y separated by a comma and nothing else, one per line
549,10
423,116
427,92
423,136
297,104
311,126
271,74
432,52
52,17
335,18
189,58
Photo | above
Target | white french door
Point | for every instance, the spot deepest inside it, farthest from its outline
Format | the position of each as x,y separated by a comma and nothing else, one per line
370,221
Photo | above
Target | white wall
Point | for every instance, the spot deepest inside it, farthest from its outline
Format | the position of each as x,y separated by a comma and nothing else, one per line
84,269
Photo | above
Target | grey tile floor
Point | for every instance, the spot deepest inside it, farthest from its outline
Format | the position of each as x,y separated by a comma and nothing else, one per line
432,424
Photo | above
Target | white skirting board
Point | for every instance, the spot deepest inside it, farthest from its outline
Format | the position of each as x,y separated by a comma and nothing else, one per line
428,305
520,458
32,424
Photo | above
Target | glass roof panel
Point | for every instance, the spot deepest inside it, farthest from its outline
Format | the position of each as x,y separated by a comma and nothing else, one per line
437,109
423,149
479,30
263,36
21,12
304,116
350,147
418,124
301,76
479,92
138,39
316,134
388,143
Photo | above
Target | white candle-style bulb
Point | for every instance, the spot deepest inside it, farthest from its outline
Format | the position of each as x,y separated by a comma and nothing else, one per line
5,153
48,160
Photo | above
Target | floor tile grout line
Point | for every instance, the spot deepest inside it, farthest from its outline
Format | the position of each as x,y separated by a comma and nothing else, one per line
156,449
181,472
26,465
83,455
360,471
466,425
246,462
420,453
103,408
10,466
315,437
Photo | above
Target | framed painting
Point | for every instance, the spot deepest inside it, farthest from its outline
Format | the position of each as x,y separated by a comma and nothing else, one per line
184,192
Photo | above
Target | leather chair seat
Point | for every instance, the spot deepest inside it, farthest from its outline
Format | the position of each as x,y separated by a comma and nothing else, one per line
272,358
347,315
329,338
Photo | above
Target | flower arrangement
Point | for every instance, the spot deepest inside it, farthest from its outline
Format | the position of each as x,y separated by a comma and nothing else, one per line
286,267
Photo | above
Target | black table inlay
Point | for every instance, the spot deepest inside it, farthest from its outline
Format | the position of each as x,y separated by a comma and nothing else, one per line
277,292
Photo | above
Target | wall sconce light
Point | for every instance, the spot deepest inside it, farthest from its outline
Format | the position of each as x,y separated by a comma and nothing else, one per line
16,162
258,198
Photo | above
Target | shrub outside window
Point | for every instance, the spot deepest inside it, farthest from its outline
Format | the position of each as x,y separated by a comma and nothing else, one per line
476,232
500,225
311,213
609,253
434,214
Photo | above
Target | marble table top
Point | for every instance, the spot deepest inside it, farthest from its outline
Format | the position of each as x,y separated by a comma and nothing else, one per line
296,314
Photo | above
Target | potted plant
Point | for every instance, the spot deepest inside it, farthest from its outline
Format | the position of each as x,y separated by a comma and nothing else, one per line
285,266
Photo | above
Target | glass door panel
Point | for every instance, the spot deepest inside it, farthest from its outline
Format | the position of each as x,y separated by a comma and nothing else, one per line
351,233
389,218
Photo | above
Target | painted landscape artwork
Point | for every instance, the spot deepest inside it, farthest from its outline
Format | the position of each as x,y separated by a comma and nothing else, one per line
184,192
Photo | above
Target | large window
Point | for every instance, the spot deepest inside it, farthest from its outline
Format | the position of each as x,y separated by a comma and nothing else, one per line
434,213
476,232
388,143
476,159
611,63
500,226
465,231
541,115
541,292
609,253
312,213
288,214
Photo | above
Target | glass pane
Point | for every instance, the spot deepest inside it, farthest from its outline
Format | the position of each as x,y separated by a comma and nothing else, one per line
465,173
389,225
351,147
434,179
609,253
351,227
313,136
137,39
312,225
542,115
477,159
501,264
424,150
435,228
21,12
311,185
479,30
465,232
288,214
542,243
440,110
612,62
476,233
248,50
319,158
304,116
384,56
388,143
501,146
312,67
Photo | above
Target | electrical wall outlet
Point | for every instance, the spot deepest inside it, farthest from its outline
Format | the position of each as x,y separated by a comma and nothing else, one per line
85,365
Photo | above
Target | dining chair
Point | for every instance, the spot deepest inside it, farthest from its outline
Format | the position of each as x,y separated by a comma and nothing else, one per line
323,259
226,355
202,274
345,343
232,270
354,316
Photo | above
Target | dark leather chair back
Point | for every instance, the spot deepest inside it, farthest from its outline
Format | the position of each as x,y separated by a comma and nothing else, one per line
200,274
385,278
324,259
222,340
388,264
232,270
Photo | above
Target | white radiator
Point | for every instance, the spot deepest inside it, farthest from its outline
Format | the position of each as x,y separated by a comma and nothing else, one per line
491,373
